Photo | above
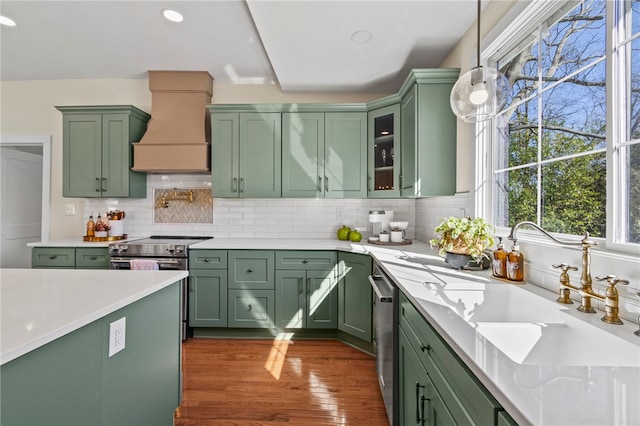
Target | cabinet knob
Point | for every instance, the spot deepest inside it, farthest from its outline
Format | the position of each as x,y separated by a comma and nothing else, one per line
249,270
205,260
93,257
425,348
250,307
305,261
53,256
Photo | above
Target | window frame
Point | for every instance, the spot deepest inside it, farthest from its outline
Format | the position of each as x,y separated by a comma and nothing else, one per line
515,34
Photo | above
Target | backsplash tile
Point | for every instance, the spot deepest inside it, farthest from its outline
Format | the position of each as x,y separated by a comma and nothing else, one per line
186,205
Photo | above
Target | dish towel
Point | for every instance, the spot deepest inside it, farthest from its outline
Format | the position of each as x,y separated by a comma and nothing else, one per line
144,265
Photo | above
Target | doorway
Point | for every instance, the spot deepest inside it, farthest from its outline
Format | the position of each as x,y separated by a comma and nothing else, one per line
24,197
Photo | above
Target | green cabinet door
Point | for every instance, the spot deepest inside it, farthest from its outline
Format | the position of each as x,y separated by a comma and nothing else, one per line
384,152
322,299
354,295
428,134
260,155
97,151
208,298
345,155
291,298
251,270
225,148
303,154
246,154
251,308
420,402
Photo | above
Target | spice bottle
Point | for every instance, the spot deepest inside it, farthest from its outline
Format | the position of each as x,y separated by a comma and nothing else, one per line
515,263
499,262
90,226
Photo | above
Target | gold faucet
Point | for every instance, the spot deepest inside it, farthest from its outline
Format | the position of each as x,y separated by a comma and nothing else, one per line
585,290
176,196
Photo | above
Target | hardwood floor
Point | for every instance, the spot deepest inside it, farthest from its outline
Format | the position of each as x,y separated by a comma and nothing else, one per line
271,382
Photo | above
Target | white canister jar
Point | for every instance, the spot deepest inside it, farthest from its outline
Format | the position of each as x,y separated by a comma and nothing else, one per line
384,237
397,236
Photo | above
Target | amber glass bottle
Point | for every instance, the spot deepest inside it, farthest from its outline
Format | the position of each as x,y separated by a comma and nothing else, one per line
515,264
91,227
499,262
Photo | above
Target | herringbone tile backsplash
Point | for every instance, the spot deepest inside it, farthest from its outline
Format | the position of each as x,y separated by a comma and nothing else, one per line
200,210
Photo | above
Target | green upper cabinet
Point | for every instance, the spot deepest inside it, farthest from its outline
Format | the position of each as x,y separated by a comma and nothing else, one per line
383,150
246,154
428,134
98,152
324,153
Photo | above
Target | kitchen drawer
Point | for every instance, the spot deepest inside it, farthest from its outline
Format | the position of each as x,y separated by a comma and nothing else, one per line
53,257
314,260
207,259
251,270
251,308
92,258
465,397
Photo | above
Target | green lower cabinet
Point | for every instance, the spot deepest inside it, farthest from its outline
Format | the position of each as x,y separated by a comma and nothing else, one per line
465,398
354,295
208,298
92,258
420,402
306,299
251,308
53,257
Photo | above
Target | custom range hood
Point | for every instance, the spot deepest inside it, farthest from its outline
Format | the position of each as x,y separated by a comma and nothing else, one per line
178,138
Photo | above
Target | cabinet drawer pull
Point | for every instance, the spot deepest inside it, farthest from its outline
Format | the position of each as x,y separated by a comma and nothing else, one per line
97,184
250,307
305,261
319,183
93,257
234,185
103,186
326,183
241,184
249,270
422,400
425,348
53,256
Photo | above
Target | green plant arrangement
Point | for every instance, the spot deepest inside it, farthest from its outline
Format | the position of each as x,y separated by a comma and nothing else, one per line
463,235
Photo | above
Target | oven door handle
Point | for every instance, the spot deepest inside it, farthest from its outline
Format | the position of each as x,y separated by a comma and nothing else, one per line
166,262
381,296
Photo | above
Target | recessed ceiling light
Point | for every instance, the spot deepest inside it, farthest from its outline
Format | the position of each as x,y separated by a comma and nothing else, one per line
7,21
361,36
172,15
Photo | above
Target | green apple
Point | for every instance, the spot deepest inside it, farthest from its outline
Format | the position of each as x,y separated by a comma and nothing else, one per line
355,236
343,233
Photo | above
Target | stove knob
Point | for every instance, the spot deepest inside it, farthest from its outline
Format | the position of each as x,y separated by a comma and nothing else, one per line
122,249
170,249
179,249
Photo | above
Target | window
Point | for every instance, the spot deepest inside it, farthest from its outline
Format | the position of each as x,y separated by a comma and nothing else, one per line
569,139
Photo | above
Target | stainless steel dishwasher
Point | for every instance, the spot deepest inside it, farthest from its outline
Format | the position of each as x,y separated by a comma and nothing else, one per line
385,341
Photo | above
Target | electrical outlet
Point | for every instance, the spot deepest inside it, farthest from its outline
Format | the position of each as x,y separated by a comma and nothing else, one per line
70,209
117,334
339,214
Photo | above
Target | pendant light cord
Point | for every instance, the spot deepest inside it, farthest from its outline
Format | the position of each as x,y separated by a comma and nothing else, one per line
478,38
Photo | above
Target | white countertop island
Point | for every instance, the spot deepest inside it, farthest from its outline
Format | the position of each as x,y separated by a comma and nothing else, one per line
41,305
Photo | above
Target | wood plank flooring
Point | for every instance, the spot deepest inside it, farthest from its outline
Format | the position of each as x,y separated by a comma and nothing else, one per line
271,382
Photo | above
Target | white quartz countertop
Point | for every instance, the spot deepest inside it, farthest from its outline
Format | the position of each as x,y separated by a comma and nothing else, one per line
584,372
79,242
41,305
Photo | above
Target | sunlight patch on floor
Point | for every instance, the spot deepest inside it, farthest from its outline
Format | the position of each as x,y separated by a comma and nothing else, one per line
277,354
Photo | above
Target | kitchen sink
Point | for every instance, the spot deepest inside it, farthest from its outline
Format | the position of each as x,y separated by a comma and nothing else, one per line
530,329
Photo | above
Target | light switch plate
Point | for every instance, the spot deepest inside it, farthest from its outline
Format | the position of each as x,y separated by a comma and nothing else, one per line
117,334
70,209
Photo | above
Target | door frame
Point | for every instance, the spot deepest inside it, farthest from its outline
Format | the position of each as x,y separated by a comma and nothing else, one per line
45,142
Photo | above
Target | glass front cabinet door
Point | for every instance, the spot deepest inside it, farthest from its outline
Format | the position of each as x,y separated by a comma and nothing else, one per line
384,152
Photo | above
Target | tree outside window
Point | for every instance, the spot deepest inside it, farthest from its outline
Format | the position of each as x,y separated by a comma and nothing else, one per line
551,145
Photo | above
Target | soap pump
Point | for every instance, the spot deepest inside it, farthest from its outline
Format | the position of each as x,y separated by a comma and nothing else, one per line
515,263
499,262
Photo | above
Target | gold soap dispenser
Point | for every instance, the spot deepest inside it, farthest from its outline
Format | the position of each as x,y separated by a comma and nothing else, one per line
515,263
499,262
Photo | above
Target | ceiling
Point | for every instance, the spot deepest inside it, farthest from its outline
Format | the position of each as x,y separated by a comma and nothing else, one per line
303,45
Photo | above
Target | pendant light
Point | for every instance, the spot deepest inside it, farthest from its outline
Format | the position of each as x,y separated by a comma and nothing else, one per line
480,93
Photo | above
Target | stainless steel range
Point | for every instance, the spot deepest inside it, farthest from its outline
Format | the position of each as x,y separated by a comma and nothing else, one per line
163,252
